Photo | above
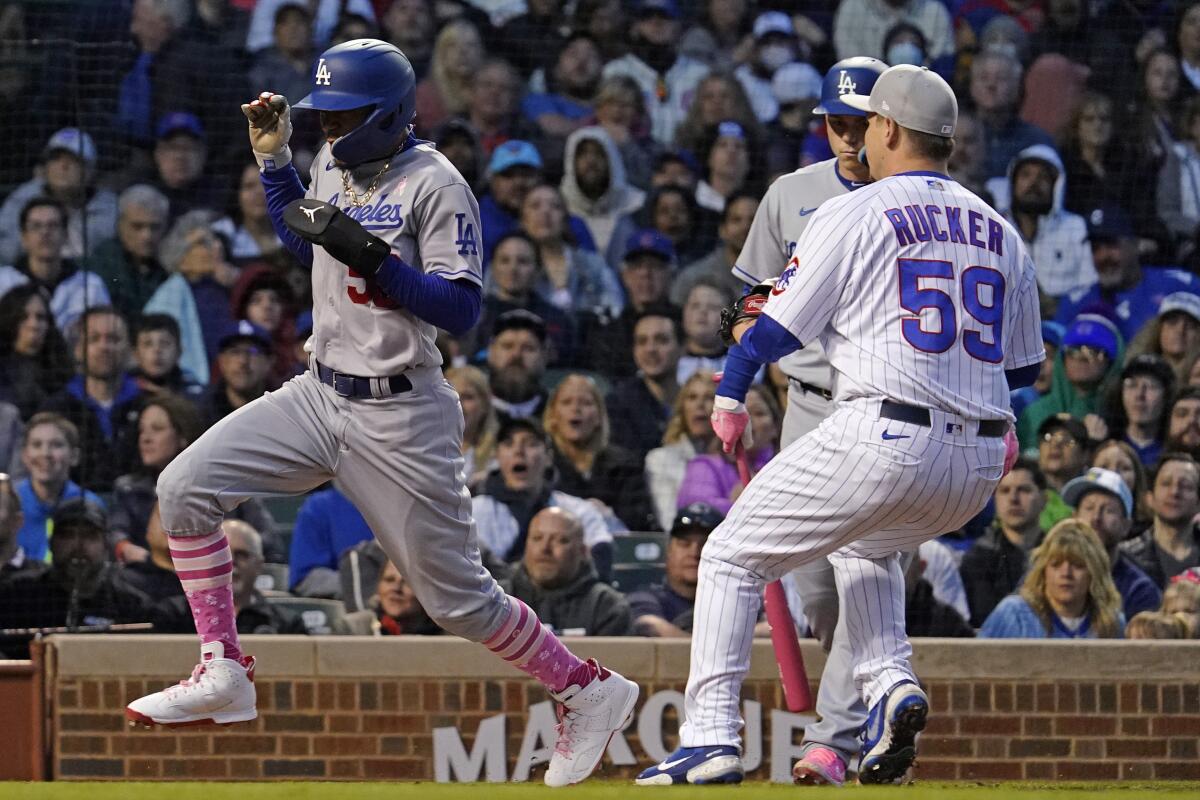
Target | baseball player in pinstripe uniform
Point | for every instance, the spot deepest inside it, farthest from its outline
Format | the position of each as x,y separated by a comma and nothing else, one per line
782,217
391,233
925,301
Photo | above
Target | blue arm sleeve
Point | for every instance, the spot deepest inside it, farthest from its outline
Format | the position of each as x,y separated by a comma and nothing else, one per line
282,187
764,343
1021,377
450,305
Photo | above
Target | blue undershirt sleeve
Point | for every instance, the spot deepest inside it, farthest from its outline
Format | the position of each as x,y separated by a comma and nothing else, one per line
766,342
282,187
1021,377
450,305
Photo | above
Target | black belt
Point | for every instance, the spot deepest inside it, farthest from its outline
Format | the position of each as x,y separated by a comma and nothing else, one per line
809,388
920,416
362,388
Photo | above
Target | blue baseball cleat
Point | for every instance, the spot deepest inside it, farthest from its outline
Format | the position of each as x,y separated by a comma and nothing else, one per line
890,733
718,763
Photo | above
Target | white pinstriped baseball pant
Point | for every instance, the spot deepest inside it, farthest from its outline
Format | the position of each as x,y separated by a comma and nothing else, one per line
840,490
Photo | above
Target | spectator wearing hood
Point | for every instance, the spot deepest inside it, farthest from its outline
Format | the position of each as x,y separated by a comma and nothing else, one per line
596,190
1123,290
1089,360
558,581
1031,197
67,174
995,91
667,79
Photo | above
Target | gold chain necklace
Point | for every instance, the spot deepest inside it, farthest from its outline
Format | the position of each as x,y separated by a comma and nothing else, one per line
352,197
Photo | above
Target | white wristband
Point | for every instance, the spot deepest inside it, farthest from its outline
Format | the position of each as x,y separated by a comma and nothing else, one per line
728,404
269,162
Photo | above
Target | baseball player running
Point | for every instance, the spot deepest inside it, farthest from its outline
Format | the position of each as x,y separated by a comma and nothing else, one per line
391,232
925,301
782,217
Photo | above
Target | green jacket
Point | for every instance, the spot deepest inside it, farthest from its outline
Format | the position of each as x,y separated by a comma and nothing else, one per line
128,286
1062,397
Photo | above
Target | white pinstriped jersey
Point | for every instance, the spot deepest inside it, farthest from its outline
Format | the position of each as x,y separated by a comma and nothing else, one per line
920,292
784,213
422,208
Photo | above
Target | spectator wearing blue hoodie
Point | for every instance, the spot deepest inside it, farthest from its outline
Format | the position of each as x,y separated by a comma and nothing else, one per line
327,525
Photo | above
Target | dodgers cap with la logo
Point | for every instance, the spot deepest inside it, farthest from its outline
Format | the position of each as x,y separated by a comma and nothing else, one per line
915,97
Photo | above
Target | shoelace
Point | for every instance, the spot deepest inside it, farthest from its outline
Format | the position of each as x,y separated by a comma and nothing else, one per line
566,723
191,680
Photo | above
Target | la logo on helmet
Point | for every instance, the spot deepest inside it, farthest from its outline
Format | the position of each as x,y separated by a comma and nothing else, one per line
323,74
846,84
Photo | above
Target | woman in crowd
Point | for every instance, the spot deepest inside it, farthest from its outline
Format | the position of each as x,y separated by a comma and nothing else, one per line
248,227
714,479
719,97
34,362
689,434
726,165
457,55
1152,111
480,421
1121,458
621,111
721,35
265,298
393,611
576,421
1068,592
572,279
672,211
1174,334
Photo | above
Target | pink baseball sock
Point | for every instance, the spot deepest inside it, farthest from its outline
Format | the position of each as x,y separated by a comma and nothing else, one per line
204,565
531,647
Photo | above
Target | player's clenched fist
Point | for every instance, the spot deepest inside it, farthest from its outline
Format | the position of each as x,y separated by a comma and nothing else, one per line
731,422
270,120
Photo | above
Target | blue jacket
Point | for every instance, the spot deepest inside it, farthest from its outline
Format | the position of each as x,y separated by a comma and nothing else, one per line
1129,308
1138,591
34,535
496,222
1014,619
327,525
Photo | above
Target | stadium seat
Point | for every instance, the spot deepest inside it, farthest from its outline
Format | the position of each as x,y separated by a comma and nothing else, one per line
638,559
319,615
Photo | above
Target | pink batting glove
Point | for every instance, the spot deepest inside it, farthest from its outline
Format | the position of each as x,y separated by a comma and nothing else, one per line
731,423
1012,449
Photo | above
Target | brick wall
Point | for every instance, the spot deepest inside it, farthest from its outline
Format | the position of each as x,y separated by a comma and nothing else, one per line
1123,713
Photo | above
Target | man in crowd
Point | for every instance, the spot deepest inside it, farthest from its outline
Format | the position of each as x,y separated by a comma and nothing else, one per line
156,351
665,609
180,158
1171,544
1102,500
129,263
642,402
1063,452
1183,422
516,361
243,369
996,92
717,266
102,400
556,579
596,190
995,564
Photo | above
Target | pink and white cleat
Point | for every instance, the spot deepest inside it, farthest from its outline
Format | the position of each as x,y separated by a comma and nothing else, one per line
220,691
820,766
588,716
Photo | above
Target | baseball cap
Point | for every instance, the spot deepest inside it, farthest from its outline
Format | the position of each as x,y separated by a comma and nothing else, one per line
915,97
73,141
1098,480
730,128
665,8
243,330
81,511
771,22
179,122
1154,366
1108,224
795,81
1052,332
696,518
648,240
514,153
1093,330
1066,422
1184,302
520,320
514,425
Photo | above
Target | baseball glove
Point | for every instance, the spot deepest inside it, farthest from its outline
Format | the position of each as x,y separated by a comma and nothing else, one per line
745,308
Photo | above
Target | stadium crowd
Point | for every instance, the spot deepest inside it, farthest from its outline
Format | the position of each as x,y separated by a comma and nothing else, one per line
618,149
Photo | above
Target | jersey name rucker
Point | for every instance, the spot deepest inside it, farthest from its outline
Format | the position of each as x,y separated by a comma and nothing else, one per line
920,292
424,210
787,208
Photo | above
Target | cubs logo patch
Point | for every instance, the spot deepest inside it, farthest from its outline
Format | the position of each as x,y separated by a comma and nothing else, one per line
785,279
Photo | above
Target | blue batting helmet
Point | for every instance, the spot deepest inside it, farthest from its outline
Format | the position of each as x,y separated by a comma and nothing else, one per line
849,76
365,72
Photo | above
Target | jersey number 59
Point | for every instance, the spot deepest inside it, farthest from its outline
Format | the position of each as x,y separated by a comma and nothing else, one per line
982,291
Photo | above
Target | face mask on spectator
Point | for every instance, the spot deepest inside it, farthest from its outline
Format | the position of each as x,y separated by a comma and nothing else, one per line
905,53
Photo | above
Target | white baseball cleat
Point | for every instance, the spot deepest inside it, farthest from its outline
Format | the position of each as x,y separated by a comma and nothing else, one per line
220,691
588,716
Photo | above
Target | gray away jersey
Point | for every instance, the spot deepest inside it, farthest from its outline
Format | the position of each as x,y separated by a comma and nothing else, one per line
920,292
424,210
784,213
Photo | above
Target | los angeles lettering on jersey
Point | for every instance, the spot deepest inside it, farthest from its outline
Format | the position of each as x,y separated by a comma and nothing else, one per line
927,225
377,215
